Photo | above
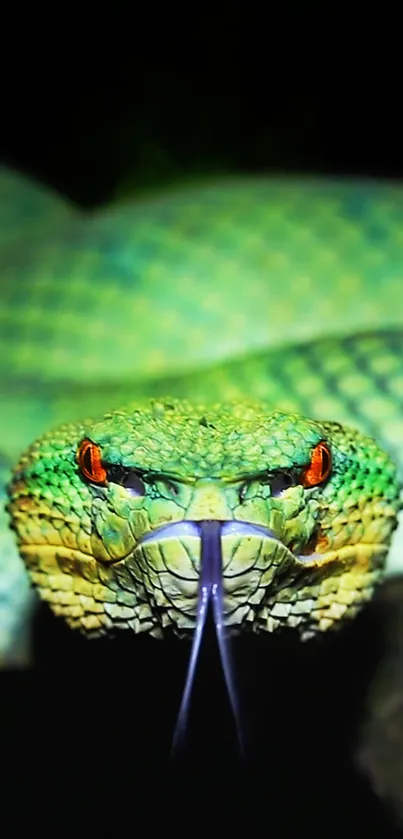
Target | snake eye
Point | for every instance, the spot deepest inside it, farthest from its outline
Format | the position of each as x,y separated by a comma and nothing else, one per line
319,466
89,461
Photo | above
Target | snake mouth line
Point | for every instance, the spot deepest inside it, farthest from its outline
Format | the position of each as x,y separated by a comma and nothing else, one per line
181,529
235,527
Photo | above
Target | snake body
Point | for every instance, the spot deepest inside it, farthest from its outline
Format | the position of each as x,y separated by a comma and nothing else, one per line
253,329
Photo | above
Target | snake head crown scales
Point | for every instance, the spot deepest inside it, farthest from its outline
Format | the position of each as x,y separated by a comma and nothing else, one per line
111,515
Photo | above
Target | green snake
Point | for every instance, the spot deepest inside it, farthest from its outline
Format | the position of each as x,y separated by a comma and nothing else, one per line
253,330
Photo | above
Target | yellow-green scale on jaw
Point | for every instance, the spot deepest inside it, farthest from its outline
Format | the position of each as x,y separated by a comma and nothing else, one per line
124,552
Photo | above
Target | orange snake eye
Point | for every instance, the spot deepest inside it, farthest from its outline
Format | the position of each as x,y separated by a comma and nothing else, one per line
89,461
319,467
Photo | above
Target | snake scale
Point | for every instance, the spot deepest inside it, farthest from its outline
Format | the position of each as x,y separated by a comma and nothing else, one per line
254,330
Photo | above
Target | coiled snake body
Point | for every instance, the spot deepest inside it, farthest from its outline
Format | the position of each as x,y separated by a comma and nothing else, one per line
255,330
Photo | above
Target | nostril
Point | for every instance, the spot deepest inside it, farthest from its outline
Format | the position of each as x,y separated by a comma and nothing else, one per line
173,488
242,493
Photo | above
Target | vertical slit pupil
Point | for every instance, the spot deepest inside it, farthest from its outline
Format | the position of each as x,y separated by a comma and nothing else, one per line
87,459
324,461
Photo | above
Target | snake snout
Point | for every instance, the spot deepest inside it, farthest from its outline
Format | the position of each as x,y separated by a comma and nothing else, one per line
184,554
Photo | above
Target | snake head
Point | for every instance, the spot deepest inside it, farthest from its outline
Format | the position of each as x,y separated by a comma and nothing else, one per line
110,515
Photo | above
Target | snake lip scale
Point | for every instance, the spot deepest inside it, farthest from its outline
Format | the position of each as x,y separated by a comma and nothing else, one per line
237,528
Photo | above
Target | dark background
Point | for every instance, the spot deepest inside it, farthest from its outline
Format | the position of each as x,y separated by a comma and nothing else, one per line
90,100
98,104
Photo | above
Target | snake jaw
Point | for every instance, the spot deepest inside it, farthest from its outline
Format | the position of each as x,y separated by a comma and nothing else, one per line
86,546
265,584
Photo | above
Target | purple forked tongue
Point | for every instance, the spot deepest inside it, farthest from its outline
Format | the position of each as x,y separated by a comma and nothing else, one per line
210,592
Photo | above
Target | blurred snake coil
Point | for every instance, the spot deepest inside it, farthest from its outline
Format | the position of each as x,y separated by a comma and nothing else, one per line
252,330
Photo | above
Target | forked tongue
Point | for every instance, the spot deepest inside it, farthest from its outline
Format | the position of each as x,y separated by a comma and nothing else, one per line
210,594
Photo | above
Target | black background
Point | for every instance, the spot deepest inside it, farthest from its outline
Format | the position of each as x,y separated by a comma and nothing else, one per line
90,99
101,103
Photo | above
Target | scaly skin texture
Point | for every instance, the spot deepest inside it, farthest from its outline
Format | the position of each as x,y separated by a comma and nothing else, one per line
137,302
315,556
290,290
